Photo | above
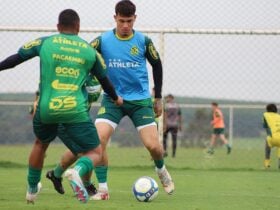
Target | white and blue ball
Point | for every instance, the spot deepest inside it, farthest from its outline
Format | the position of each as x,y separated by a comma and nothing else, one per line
145,189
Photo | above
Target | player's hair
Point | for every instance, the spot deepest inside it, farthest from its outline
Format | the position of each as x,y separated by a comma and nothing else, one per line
214,103
125,8
271,108
68,18
170,96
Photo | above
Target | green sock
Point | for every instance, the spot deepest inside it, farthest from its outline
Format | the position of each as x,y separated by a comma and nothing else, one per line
101,173
84,165
58,171
33,177
159,163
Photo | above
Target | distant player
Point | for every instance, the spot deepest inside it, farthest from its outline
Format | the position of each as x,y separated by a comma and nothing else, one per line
218,129
271,122
172,122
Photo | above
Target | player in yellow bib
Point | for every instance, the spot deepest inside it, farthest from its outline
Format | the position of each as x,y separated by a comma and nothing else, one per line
271,122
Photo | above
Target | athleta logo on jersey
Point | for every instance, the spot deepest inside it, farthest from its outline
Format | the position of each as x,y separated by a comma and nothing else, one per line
118,63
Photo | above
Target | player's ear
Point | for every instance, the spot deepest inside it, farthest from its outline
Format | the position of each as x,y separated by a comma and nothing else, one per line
58,27
78,27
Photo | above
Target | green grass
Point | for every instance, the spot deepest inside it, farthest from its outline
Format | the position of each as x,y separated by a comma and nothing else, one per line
236,181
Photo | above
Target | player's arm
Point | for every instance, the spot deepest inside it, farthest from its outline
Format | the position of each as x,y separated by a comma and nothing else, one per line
11,62
180,119
99,70
26,52
154,59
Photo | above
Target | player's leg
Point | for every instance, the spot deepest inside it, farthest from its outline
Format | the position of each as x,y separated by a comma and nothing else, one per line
164,141
36,162
267,152
149,137
67,159
278,156
212,143
108,117
44,135
105,131
225,141
148,131
55,175
85,142
174,132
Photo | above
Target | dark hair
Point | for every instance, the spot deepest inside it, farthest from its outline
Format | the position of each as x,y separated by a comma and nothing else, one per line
214,103
125,8
170,96
68,18
271,108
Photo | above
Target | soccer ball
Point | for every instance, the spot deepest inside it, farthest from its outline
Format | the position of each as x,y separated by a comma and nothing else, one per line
145,189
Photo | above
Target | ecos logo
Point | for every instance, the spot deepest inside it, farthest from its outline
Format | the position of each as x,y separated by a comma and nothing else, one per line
69,72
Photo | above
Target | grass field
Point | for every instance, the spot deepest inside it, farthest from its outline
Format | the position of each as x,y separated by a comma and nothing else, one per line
236,181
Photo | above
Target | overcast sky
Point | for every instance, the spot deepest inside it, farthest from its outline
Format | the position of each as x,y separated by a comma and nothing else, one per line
215,66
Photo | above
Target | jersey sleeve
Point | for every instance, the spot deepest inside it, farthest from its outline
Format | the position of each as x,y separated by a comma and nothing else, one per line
30,49
152,54
96,44
99,69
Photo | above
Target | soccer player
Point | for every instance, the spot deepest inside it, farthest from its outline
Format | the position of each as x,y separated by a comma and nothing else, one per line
271,122
125,52
218,129
172,122
65,63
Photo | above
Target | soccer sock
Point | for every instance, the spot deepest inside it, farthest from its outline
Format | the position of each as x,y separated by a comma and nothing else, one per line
267,151
58,171
159,163
33,178
103,186
84,165
101,173
161,169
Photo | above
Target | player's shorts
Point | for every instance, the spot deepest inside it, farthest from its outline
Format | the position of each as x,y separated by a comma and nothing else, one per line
273,142
78,137
140,112
218,131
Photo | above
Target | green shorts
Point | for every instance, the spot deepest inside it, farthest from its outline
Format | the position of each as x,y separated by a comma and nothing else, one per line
78,137
140,112
218,131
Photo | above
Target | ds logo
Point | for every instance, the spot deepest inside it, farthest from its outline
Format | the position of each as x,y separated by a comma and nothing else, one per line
63,103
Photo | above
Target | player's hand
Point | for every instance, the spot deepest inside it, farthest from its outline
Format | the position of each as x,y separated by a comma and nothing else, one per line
119,101
157,107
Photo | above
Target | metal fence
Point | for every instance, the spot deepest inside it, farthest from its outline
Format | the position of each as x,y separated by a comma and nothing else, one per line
219,50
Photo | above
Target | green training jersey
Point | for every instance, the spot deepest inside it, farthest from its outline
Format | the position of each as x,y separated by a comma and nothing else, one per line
65,63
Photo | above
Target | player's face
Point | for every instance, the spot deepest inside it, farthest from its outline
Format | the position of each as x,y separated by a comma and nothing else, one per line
124,25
